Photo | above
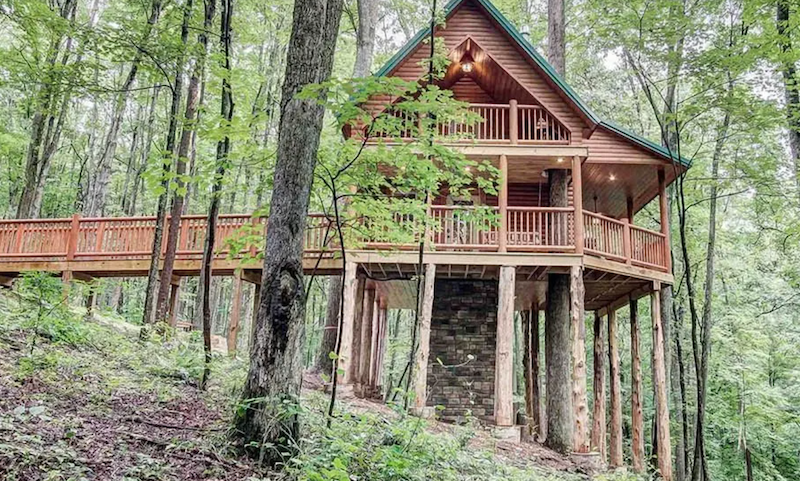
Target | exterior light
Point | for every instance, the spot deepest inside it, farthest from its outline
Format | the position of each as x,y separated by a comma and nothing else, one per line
560,160
612,177
466,67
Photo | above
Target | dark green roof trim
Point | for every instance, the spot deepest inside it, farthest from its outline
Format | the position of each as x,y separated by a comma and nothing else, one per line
541,62
646,143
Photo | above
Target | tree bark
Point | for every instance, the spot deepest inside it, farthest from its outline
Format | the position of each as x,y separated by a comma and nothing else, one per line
615,426
558,341
149,314
578,328
189,127
637,418
791,85
598,443
98,190
556,33
275,370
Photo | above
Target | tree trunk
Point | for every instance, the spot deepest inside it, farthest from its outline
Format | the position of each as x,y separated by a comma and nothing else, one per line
275,371
556,32
99,187
598,443
791,85
149,314
189,126
558,342
324,362
637,418
615,425
578,328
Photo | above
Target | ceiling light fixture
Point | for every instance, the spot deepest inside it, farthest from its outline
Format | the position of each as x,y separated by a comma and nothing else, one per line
560,160
612,177
466,67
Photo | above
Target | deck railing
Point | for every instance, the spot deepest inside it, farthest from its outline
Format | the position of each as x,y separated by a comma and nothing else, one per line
499,123
452,228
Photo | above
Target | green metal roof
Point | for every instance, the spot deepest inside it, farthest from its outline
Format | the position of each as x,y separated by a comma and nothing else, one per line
542,63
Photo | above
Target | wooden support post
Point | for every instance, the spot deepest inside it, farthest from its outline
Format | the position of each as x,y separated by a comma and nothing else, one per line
626,241
615,438
373,363
365,357
536,392
502,200
504,350
236,312
664,450
346,334
74,232
578,328
256,303
174,296
664,210
66,280
637,418
577,202
598,443
513,121
557,361
424,342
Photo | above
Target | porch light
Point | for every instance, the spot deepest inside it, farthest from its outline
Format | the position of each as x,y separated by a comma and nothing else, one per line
466,67
560,160
612,177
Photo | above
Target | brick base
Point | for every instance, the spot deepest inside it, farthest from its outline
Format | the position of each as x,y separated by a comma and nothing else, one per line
464,323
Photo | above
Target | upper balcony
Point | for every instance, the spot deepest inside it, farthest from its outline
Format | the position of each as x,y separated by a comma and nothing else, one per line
509,124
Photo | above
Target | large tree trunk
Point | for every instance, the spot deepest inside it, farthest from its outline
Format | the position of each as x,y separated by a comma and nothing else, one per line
558,341
556,32
275,359
791,85
189,125
365,47
148,315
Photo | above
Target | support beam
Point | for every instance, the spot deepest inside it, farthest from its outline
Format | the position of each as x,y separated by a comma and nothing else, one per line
557,361
365,357
174,297
424,342
504,350
615,438
536,392
577,202
256,302
664,210
598,443
502,202
236,313
637,418
347,331
578,328
660,382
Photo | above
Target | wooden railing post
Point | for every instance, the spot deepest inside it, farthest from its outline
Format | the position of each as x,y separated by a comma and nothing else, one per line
72,242
577,202
502,236
662,202
18,239
626,241
513,121
184,236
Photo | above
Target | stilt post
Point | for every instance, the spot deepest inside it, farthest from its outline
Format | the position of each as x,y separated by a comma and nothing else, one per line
504,351
615,438
660,381
637,418
598,443
424,342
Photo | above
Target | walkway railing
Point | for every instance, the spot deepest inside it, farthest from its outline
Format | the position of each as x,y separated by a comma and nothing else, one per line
498,123
453,228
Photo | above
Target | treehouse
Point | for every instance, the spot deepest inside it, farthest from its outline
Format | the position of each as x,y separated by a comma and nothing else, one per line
568,239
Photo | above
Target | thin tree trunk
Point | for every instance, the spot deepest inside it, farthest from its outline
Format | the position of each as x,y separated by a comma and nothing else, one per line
556,36
791,85
189,127
275,361
149,314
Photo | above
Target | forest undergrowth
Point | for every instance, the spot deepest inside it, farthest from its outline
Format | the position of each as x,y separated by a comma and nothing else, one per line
82,397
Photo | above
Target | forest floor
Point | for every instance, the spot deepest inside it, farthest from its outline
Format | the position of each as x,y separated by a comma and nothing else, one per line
87,400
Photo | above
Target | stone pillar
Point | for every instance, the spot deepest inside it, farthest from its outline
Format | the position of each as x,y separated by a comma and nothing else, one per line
504,351
424,342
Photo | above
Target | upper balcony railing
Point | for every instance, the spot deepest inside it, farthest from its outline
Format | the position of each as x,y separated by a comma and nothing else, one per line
499,123
451,228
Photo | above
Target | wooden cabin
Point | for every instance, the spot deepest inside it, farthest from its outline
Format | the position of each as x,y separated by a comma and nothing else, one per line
534,128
